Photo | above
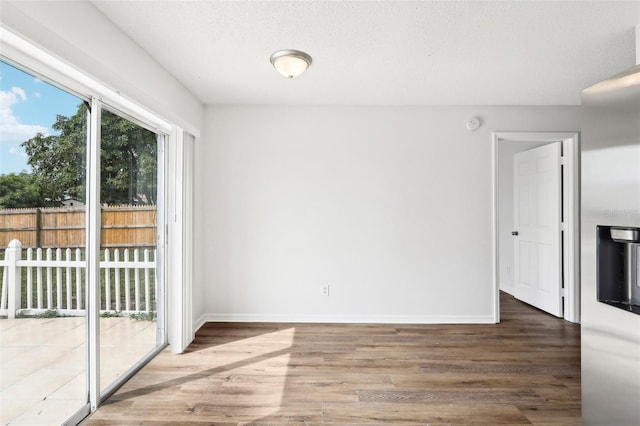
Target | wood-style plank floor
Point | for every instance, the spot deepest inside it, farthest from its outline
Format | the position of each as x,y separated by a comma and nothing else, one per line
525,370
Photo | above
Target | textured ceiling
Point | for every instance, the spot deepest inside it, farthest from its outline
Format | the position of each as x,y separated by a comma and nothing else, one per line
385,52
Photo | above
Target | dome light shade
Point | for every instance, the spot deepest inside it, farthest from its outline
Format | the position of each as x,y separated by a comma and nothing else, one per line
290,63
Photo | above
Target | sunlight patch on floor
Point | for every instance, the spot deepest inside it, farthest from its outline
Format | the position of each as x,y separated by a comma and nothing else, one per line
242,363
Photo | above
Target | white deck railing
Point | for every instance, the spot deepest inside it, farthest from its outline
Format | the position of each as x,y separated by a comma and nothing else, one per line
55,280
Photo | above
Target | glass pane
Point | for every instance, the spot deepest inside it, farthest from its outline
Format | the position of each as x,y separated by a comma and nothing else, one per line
129,176
43,351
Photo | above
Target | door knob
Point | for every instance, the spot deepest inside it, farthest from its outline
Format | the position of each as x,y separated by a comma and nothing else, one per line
514,233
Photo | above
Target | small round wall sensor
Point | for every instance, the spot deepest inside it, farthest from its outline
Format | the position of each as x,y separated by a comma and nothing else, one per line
473,124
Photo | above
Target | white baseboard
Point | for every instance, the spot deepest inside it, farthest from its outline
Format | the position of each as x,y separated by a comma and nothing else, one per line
507,288
347,319
199,323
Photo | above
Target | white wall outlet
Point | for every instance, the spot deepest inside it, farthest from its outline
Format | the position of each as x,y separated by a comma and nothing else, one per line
324,290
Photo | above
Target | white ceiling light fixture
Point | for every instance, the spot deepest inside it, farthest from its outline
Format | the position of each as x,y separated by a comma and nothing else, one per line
290,63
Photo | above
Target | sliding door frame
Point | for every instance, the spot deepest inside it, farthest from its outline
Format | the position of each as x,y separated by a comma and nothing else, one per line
93,228
93,244
174,215
160,272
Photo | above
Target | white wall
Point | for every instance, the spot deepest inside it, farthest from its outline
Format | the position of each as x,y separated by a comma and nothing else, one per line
389,206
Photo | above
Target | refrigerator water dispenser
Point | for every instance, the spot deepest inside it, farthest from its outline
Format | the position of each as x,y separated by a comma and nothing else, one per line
618,267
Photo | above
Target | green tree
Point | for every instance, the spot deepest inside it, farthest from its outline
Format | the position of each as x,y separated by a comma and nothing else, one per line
129,164
128,160
58,161
19,191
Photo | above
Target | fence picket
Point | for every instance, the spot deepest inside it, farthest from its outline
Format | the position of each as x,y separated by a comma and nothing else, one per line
147,292
39,279
117,275
78,281
58,280
127,284
136,275
49,282
68,258
107,282
29,280
5,288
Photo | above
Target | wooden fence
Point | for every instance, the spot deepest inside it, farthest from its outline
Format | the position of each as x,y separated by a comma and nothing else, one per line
62,227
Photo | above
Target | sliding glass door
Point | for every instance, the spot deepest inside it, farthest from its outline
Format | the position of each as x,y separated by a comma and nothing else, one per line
83,294
130,292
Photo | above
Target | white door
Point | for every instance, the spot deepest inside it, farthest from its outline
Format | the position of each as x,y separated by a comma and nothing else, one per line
537,234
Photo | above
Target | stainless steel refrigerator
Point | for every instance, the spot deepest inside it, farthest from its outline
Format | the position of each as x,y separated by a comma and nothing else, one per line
610,251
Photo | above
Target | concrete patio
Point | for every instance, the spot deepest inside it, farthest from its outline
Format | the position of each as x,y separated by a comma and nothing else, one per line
43,364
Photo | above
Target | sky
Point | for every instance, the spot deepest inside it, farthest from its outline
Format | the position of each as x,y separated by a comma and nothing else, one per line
28,106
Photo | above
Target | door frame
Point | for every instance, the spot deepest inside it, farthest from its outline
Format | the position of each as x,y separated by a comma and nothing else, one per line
571,207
